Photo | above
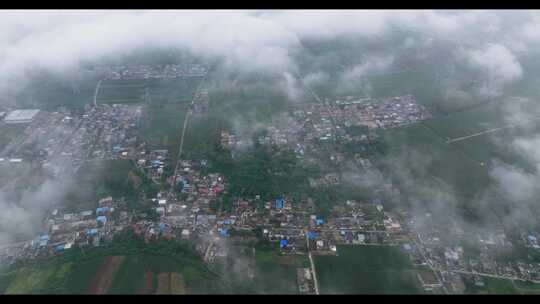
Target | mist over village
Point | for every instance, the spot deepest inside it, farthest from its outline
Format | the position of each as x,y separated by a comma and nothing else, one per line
269,152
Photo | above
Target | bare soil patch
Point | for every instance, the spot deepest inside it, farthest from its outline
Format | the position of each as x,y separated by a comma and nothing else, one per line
102,280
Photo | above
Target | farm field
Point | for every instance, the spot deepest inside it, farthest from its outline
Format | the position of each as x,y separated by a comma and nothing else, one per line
161,126
151,274
98,179
422,149
366,270
121,91
259,270
124,267
10,131
504,286
177,91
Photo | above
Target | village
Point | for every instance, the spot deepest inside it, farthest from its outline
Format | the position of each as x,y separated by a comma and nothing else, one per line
193,209
133,72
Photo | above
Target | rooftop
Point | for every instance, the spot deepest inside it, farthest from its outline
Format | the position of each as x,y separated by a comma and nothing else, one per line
21,115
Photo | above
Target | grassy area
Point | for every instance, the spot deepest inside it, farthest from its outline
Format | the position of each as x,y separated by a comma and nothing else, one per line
504,286
428,156
73,272
38,279
162,126
259,270
175,91
99,179
9,132
366,270
47,91
130,278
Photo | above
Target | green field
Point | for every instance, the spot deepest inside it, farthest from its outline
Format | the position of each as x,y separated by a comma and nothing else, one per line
504,286
167,91
162,126
9,132
366,270
74,272
98,179
271,273
121,91
428,156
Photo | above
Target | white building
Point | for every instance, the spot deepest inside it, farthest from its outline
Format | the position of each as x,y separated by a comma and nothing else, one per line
21,116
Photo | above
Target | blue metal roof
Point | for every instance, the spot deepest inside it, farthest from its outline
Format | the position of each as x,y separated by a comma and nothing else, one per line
223,231
279,203
312,235
102,209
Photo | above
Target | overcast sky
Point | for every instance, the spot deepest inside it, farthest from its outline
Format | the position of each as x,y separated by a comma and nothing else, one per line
253,39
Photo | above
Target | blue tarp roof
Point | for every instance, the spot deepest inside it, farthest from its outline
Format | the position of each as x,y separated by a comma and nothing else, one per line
93,231
101,218
223,231
312,235
102,209
283,243
44,237
320,221
279,203
60,247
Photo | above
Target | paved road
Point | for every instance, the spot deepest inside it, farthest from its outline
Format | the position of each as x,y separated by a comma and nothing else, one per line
96,93
186,121
492,275
430,264
453,140
313,271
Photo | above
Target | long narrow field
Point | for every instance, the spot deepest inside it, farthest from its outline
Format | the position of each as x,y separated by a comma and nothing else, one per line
127,266
105,274
121,91
504,286
366,270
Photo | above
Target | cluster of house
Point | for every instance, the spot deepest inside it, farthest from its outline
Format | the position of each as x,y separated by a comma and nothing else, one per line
329,179
168,71
305,281
351,119
201,102
62,230
445,255
110,131
228,140
199,188
49,131
378,113
152,163
102,132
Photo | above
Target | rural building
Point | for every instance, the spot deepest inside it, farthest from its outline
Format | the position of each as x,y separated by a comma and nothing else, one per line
21,116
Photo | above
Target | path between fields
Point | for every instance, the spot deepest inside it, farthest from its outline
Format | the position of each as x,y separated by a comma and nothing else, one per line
315,281
96,93
181,146
104,275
